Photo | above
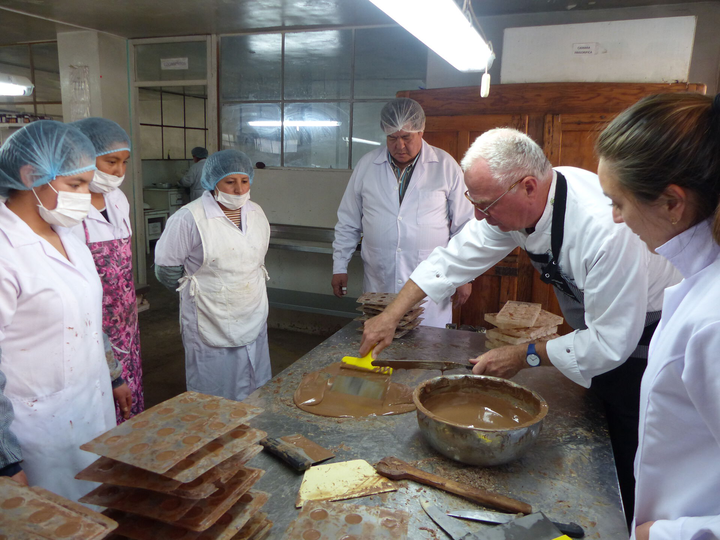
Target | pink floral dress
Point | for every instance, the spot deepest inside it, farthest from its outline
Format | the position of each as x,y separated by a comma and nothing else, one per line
113,260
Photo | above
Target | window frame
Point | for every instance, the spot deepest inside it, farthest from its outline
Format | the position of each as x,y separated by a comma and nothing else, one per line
282,102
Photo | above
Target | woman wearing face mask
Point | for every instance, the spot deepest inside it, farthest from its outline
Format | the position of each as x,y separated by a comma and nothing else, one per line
106,231
213,252
660,167
51,306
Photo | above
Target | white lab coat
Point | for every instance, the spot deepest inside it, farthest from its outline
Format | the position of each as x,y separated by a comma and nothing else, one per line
395,237
229,371
191,180
53,353
99,229
677,465
620,278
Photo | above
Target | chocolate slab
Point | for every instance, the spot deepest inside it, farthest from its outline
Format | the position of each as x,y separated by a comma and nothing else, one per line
323,520
313,450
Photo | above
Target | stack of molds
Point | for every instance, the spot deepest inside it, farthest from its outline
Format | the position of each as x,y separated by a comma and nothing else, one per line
179,470
521,322
34,513
375,303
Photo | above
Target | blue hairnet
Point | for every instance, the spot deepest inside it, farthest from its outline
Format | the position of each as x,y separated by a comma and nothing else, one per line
402,114
107,136
50,148
199,152
225,163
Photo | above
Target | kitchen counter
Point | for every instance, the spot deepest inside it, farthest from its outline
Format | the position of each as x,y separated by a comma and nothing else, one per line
568,474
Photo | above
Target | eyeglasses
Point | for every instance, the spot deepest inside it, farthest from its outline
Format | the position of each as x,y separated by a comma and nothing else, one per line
489,206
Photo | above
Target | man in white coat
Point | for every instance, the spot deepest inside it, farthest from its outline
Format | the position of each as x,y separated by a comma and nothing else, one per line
192,178
404,200
609,287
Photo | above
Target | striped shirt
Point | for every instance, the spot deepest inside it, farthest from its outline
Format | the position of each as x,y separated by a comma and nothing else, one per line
403,175
235,216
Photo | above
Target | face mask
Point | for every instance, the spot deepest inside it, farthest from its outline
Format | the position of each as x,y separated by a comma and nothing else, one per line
104,183
71,208
231,202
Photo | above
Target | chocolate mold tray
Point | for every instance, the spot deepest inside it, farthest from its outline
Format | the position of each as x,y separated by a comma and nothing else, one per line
162,436
214,453
30,513
243,518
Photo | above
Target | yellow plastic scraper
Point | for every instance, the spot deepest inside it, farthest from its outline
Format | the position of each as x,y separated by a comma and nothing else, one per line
366,363
361,378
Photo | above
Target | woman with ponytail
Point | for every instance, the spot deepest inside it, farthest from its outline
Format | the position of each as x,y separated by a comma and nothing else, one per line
660,167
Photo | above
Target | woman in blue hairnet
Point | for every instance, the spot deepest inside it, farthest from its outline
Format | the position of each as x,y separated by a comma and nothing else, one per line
106,231
51,306
213,251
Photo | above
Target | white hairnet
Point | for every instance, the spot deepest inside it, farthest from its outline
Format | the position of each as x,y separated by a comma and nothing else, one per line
402,114
50,148
107,136
225,163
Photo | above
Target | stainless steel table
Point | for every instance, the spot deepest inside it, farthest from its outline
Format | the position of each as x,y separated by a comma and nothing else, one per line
568,474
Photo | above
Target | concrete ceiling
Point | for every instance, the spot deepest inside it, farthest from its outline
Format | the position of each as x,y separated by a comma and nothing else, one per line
39,20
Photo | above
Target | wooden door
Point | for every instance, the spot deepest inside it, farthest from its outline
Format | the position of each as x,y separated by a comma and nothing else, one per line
510,279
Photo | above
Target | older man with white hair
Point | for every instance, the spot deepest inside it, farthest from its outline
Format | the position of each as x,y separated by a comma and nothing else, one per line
404,200
609,286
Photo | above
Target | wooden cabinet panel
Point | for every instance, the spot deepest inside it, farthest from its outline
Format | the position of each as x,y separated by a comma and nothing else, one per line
540,98
454,134
570,138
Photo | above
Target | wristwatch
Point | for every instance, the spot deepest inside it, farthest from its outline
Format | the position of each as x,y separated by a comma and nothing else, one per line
532,357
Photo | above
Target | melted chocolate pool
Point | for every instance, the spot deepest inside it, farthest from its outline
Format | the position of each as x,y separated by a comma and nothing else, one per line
324,393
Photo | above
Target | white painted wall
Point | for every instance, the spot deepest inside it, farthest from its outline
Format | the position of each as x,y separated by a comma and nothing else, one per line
636,51
704,66
106,58
307,197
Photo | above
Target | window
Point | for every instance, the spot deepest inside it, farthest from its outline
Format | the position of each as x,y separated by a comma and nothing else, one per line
172,121
39,63
313,99
171,80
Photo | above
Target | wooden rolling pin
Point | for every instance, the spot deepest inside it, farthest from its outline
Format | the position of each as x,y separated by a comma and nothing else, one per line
397,469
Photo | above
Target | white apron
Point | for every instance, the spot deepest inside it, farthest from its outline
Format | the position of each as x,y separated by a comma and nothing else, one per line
53,357
229,288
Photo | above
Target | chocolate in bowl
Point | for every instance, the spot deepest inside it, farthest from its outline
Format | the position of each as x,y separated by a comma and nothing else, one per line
507,421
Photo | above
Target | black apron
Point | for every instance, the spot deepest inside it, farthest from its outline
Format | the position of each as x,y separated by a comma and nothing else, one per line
618,389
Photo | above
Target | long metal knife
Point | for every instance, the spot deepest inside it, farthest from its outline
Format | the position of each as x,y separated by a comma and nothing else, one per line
573,530
451,527
420,364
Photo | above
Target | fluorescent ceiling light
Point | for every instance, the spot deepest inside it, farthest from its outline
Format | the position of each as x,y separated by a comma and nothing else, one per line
15,85
444,28
295,123
362,141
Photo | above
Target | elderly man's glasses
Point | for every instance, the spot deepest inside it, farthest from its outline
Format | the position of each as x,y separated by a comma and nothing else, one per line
485,210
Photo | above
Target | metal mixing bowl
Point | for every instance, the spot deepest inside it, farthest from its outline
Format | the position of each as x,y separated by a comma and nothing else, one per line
479,446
